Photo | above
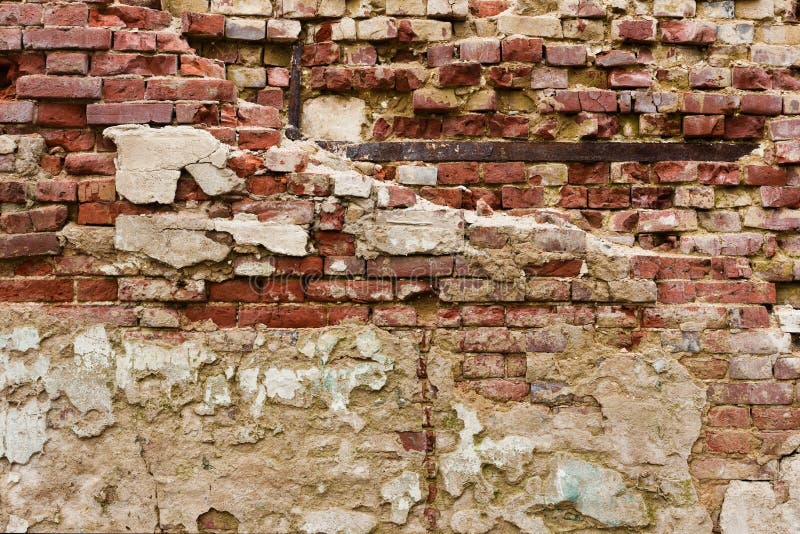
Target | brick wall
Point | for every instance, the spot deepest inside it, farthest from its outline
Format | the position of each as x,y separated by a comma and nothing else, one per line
622,317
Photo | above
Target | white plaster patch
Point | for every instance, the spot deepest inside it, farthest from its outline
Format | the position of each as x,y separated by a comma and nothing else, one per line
338,521
176,364
22,338
16,524
23,430
333,118
402,491
93,350
149,162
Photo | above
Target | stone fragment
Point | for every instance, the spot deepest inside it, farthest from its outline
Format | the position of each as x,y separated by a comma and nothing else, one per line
149,161
410,231
333,118
177,240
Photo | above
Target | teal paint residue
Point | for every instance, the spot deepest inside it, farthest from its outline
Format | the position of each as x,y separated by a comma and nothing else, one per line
597,492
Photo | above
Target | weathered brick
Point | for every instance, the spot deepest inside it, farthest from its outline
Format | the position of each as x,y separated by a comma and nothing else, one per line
37,86
107,114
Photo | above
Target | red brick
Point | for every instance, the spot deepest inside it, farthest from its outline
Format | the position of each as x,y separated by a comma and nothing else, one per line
39,86
81,164
704,125
629,78
483,366
509,77
66,15
750,393
751,78
718,173
675,171
609,197
12,192
258,139
96,190
526,50
787,151
687,32
637,31
407,79
517,197
135,41
710,103
80,38
170,42
765,175
190,89
129,17
501,390
729,441
780,197
394,316
744,127
36,290
16,246
483,316
206,24
320,54
473,124
67,63
61,115
666,267
546,341
487,8
259,290
414,267
565,55
283,316
16,112
754,317
45,219
503,173
508,126
480,50
787,368
444,196
736,292
776,418
101,289
122,89
762,104
270,97
348,315
101,213
458,173
732,416
458,74
588,173
350,290
573,196
110,114
128,63
56,191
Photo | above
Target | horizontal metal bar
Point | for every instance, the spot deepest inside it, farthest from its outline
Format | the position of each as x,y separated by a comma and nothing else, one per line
586,151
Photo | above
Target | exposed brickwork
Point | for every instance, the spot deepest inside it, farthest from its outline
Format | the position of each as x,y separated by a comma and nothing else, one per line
698,262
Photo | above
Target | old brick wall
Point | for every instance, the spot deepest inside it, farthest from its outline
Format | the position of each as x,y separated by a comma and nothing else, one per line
584,321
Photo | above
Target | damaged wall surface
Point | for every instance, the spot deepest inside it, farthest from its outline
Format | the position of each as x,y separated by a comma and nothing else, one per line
212,320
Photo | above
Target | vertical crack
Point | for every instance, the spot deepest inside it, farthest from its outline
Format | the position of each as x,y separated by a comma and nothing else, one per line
140,441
